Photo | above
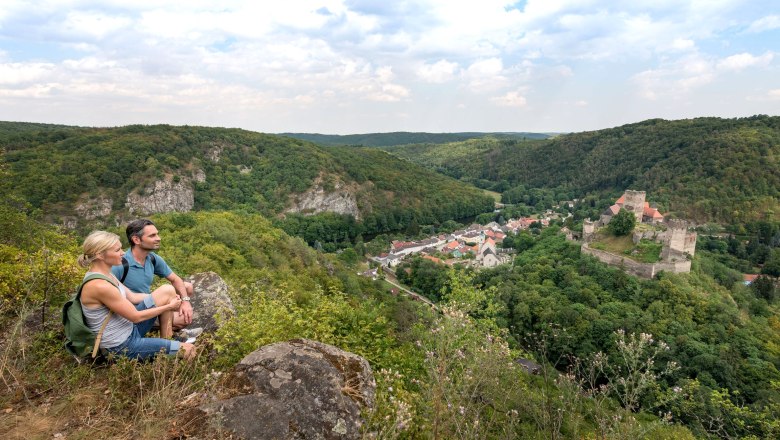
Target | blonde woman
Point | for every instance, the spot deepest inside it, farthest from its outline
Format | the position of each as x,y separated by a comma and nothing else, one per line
134,313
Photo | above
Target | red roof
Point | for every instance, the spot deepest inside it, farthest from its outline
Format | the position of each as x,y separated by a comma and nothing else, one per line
749,278
621,200
651,212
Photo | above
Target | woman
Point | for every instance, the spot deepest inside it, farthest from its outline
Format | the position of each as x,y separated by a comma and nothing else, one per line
134,313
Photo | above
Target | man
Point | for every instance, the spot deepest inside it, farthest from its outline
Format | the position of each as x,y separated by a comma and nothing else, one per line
143,264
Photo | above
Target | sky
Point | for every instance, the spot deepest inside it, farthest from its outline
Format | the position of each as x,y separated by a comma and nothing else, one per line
354,66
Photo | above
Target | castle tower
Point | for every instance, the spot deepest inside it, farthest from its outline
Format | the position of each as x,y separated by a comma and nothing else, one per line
679,241
588,229
634,202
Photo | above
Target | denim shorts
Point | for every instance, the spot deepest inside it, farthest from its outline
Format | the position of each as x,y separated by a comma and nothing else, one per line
138,347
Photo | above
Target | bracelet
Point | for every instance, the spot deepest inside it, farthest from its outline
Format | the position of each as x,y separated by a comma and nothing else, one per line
185,298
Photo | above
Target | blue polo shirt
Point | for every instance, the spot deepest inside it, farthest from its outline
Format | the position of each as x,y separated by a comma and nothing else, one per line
140,276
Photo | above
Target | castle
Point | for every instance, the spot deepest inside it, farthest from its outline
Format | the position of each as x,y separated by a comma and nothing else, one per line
633,201
679,245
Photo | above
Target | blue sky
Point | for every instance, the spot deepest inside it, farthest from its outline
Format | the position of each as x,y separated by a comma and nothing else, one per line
375,66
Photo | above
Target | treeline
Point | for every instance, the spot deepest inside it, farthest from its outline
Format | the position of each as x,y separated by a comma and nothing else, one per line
403,138
55,168
703,169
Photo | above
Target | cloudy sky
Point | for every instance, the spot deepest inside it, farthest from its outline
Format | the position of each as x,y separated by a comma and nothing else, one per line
355,66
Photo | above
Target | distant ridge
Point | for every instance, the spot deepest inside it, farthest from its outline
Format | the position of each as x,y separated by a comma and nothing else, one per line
405,137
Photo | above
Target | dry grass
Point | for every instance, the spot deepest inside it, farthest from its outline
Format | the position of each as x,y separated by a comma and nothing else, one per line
44,392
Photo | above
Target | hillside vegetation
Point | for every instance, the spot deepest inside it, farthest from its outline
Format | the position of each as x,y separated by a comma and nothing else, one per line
403,138
433,371
703,169
56,168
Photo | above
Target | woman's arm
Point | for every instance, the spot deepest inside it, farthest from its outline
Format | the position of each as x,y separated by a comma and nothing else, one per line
134,297
105,293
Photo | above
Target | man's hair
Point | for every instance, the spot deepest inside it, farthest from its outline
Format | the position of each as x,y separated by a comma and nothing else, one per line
136,229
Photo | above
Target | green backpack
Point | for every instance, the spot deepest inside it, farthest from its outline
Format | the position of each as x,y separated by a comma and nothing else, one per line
79,339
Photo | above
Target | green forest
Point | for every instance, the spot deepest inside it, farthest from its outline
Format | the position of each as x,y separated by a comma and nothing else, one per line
403,138
702,169
679,356
55,167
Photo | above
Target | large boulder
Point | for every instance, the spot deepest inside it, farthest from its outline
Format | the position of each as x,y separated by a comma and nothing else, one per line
300,389
210,300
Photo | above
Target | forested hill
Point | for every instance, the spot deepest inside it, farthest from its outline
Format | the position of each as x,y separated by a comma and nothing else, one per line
705,169
93,173
404,138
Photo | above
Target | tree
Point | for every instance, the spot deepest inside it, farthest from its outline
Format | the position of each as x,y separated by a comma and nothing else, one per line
622,223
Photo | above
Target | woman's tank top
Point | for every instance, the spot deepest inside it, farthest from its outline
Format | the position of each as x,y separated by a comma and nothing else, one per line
118,328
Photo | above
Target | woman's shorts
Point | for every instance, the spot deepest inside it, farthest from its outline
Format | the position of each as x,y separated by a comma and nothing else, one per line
138,347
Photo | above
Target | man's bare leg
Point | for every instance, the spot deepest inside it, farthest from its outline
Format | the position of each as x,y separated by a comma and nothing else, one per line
163,296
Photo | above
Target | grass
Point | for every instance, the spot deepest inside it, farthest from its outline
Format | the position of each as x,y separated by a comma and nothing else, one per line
646,251
496,196
44,392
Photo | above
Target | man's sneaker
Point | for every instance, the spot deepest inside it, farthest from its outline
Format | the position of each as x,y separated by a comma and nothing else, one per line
188,334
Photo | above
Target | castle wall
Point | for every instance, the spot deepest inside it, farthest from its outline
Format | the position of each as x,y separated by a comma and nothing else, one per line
644,270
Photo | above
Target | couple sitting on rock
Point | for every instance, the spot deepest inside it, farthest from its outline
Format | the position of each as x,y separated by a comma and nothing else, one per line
125,292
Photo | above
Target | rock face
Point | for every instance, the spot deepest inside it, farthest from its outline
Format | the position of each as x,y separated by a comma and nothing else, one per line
165,196
340,200
300,389
209,301
94,208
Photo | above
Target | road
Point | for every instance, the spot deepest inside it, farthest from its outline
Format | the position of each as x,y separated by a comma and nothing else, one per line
390,278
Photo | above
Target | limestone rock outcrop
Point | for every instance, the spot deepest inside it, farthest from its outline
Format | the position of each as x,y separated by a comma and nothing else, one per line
340,199
165,196
93,208
209,301
298,389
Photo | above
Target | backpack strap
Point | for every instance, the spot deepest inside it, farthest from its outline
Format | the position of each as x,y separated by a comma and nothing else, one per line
126,267
98,276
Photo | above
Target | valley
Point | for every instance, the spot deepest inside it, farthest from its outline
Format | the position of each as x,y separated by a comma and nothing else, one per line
309,234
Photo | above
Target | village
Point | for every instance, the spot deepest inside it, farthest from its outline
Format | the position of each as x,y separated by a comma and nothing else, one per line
475,246
478,246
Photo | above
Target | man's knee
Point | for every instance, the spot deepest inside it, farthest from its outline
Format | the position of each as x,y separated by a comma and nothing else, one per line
163,294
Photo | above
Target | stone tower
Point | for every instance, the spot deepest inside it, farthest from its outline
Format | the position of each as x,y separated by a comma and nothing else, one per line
634,201
679,241
588,229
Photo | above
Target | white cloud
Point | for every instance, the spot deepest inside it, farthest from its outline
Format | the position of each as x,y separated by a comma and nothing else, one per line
683,44
510,99
768,23
774,94
439,72
744,60
23,73
676,78
485,75
93,24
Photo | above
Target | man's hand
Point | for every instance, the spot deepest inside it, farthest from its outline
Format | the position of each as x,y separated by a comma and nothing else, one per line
186,312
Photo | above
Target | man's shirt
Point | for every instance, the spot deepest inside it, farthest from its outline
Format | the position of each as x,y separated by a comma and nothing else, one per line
140,276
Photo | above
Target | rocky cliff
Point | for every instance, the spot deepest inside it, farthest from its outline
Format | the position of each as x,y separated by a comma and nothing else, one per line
338,197
164,196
